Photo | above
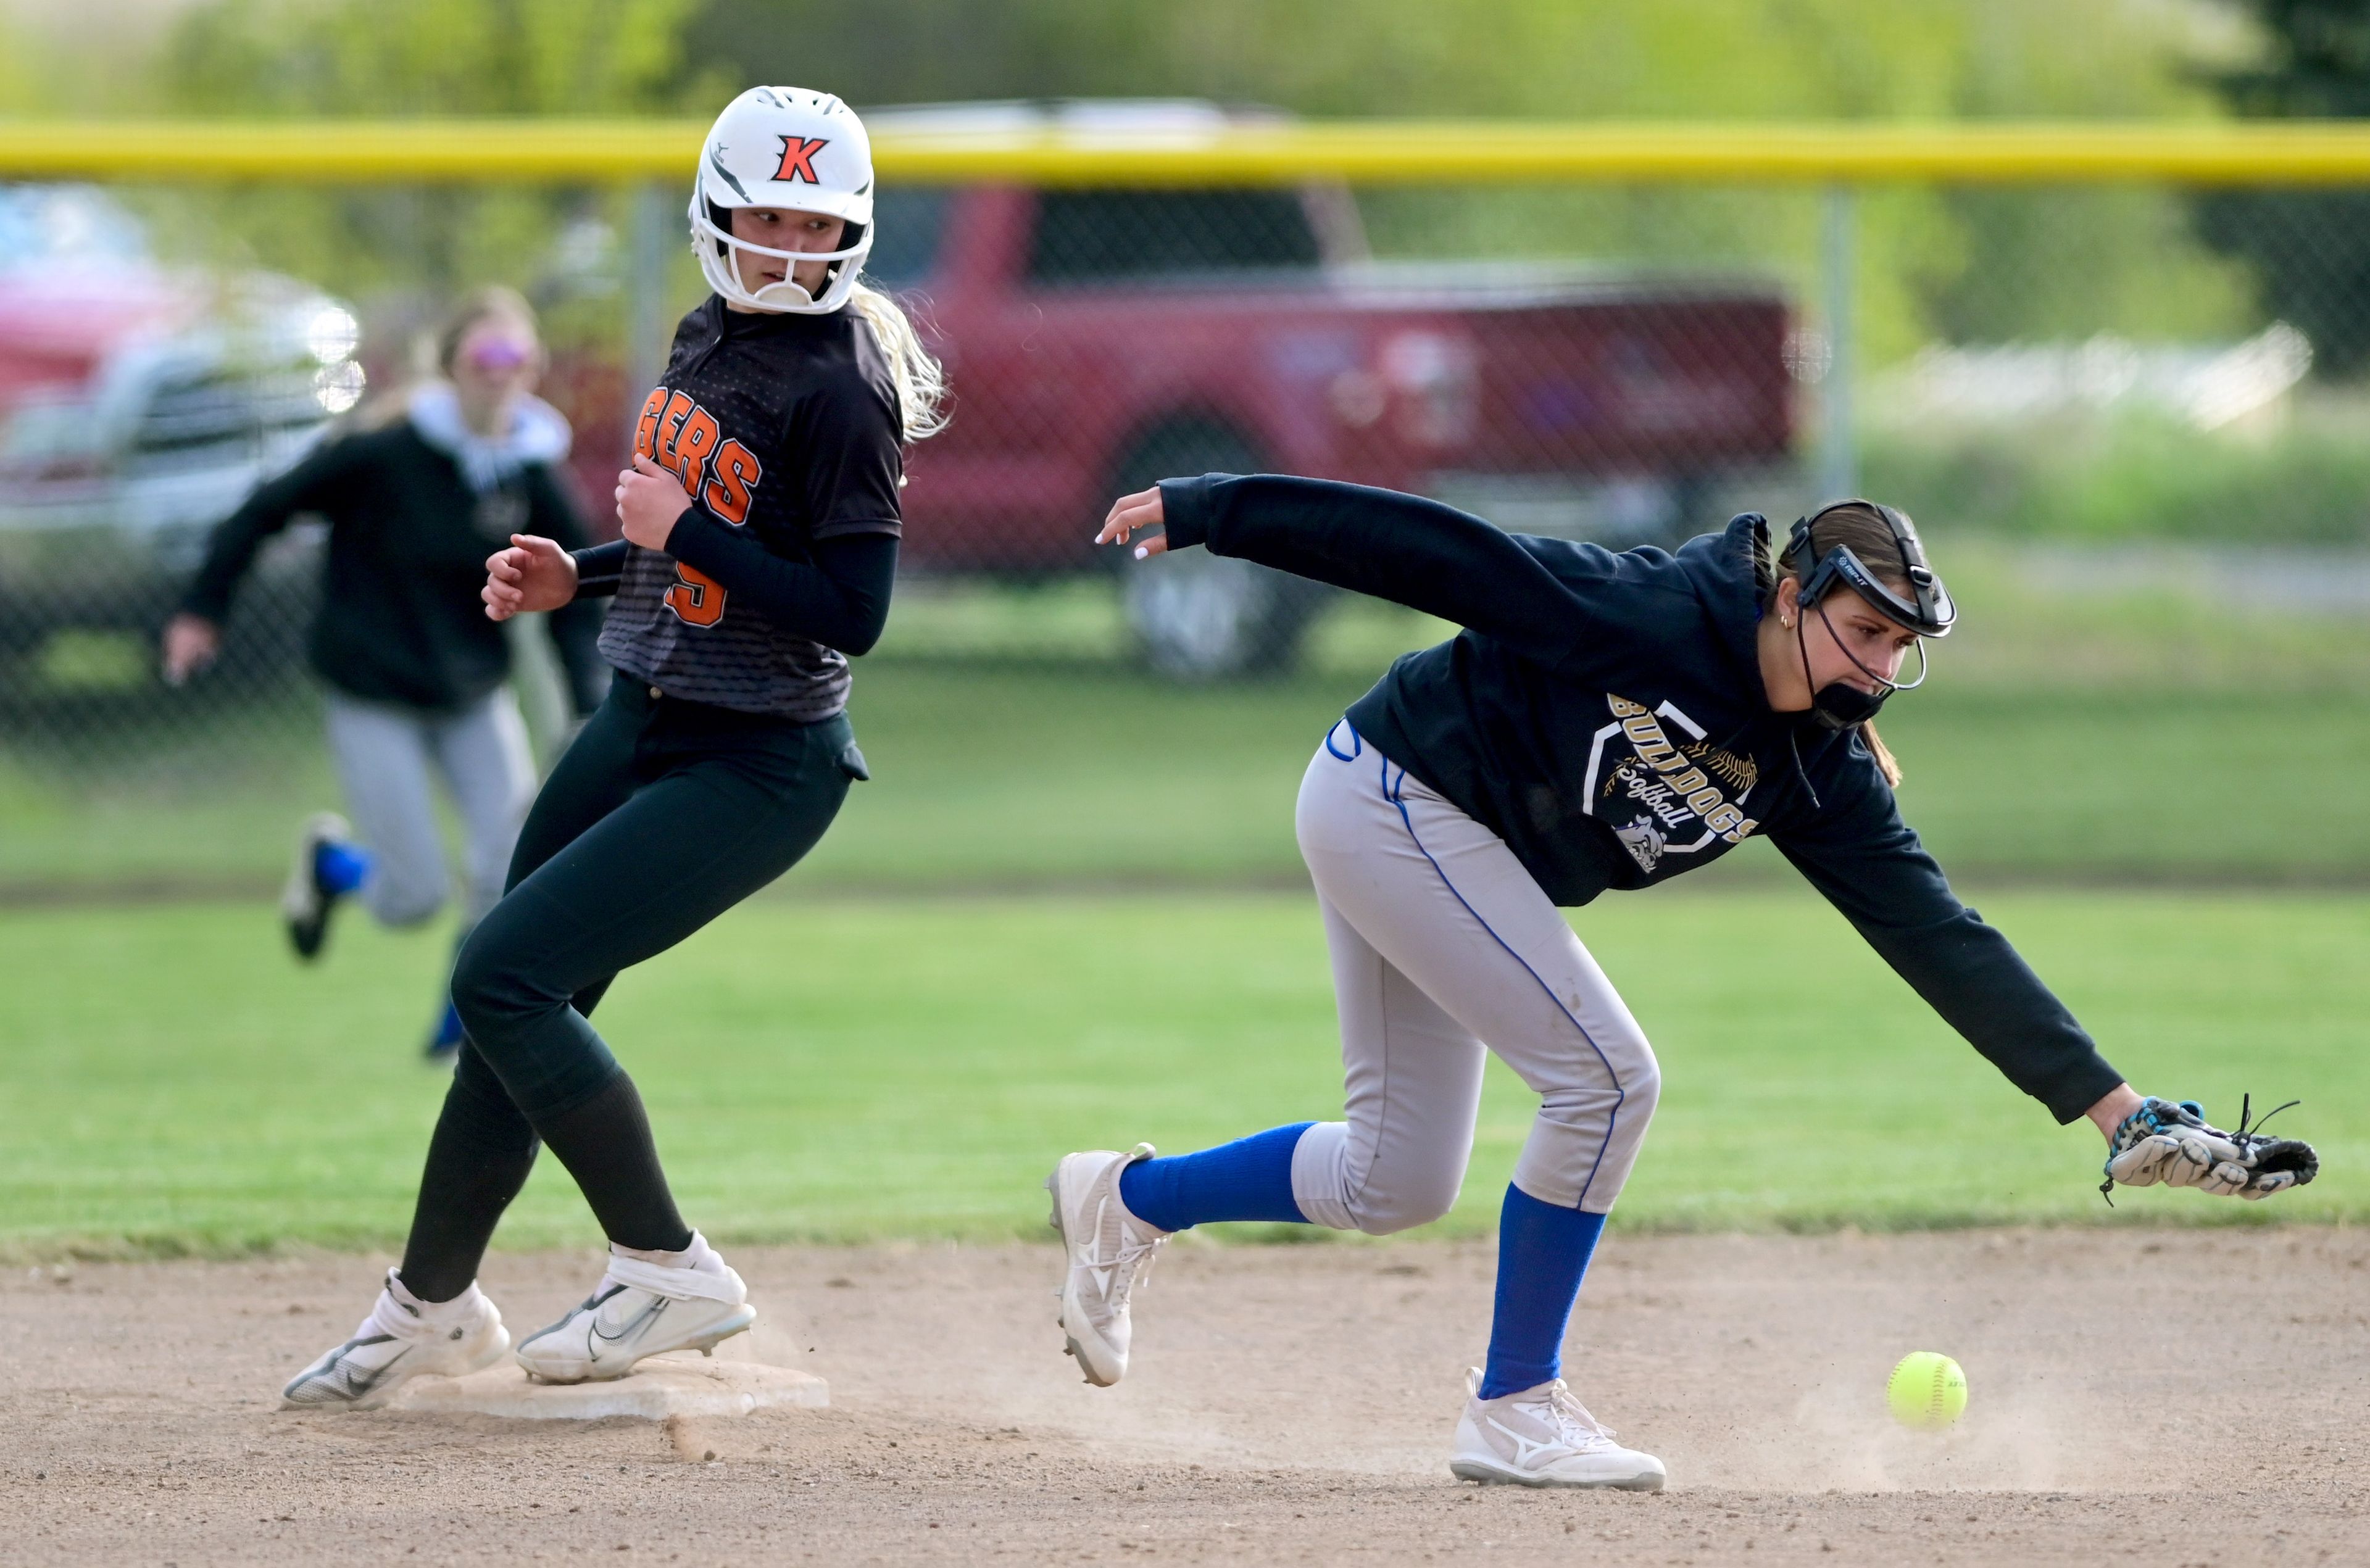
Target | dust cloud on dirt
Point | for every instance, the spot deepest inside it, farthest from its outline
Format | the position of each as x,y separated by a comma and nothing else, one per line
2156,1395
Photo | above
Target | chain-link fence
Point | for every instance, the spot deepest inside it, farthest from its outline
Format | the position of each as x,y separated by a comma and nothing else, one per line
2087,393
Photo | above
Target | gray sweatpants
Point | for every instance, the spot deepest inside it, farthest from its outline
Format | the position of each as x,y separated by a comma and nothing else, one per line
384,756
1443,947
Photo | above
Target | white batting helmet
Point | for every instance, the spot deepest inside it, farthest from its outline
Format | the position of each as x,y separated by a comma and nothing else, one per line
789,148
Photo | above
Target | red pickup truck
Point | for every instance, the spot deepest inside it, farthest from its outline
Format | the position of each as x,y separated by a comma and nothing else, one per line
1097,339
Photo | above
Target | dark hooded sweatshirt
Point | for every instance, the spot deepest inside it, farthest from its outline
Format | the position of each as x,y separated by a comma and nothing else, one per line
1604,715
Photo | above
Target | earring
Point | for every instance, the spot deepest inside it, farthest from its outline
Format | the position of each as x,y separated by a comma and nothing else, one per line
1787,622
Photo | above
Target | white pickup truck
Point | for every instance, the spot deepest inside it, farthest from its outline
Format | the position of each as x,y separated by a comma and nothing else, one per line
139,403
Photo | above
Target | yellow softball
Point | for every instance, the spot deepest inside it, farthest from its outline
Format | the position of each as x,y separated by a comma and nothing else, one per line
1928,1391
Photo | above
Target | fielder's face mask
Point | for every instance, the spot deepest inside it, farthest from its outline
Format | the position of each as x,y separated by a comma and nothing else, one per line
1928,611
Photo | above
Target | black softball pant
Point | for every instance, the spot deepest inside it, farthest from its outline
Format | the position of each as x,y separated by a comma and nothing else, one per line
661,816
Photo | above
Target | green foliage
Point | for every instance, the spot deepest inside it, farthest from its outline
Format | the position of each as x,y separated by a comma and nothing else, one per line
286,58
1011,745
1593,59
2134,477
448,57
2310,250
850,1071
1957,265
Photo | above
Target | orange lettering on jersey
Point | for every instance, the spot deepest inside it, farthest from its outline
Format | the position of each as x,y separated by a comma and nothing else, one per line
687,455
669,420
646,429
797,158
681,437
737,473
697,598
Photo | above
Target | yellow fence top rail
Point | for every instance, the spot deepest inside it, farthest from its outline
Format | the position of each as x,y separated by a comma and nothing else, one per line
1369,152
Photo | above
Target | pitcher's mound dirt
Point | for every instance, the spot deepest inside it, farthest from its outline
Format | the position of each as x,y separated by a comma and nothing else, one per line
2162,1397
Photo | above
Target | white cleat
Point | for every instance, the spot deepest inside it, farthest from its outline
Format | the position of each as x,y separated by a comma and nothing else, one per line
402,1339
1110,1250
641,1309
1543,1437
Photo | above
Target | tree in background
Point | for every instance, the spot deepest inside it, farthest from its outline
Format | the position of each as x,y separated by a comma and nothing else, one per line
395,58
1964,265
2310,250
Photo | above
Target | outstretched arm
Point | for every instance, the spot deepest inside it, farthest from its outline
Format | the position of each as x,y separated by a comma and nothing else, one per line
1403,548
1871,868
1859,852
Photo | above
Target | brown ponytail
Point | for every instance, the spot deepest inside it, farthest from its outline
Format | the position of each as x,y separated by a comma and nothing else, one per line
1858,528
1881,753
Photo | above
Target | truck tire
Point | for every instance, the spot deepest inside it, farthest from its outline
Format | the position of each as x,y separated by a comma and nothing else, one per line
1196,616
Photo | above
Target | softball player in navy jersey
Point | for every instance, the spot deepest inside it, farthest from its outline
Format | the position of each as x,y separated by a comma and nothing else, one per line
761,526
1604,721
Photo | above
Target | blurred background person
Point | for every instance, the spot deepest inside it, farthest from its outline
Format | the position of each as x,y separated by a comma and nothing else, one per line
414,674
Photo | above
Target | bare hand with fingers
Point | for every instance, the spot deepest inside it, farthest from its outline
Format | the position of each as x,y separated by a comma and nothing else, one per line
1131,514
190,643
650,499
533,574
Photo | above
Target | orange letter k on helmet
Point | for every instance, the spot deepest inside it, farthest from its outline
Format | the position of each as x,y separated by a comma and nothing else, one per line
797,158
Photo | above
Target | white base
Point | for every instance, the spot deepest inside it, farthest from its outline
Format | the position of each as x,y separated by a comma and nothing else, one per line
658,1389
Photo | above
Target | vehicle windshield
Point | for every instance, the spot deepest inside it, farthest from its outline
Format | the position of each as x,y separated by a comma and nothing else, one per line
49,226
909,222
1093,235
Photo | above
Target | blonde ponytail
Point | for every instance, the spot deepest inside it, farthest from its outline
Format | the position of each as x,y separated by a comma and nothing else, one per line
921,381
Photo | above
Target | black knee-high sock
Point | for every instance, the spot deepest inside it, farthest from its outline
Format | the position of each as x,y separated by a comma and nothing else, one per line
606,1145
478,1161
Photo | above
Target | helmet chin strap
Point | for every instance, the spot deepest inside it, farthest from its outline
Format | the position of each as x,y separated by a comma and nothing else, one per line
788,292
1839,704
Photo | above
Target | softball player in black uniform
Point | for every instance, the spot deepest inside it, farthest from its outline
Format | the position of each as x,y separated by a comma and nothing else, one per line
761,525
1604,721
414,678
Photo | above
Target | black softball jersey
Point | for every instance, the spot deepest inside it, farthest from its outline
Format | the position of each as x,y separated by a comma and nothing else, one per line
1604,715
400,619
786,431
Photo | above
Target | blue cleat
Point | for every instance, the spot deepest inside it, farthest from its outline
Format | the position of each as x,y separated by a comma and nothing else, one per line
326,866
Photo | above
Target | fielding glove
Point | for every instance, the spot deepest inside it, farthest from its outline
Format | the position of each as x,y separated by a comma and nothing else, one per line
2174,1143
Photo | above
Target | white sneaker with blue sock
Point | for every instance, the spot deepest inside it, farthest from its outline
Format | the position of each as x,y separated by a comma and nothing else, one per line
1110,1249
444,1041
1543,1437
308,895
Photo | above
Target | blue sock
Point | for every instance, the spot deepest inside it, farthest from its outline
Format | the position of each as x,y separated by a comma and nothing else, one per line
1247,1179
340,867
1543,1252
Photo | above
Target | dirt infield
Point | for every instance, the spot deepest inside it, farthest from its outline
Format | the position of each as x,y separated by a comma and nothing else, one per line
2162,1397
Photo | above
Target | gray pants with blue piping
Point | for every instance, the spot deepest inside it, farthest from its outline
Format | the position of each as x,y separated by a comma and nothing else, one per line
1444,948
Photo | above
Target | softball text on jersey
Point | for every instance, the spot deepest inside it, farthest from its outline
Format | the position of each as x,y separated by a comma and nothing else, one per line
1662,789
682,438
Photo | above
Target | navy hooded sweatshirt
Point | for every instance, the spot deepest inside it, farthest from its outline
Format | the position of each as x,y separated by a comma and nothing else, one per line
1602,713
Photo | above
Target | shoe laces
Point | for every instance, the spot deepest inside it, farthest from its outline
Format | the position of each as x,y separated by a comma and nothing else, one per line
1573,1423
1130,1262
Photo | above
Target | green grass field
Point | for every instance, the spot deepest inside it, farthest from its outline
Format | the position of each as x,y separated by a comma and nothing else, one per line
834,1068
2114,739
